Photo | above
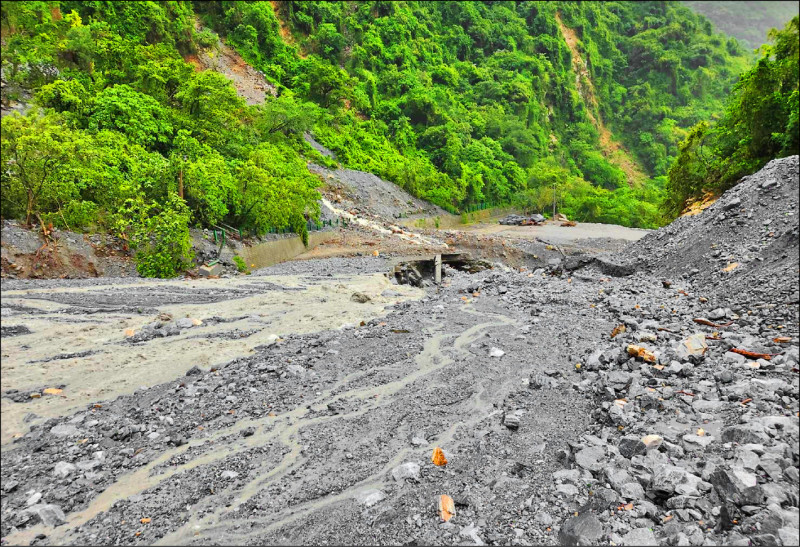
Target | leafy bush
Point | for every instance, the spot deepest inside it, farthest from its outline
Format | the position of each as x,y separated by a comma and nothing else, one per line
140,117
241,265
64,96
159,235
206,38
76,215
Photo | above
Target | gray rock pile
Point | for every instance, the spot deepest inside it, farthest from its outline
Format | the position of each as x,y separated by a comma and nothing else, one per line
695,435
518,220
743,249
696,445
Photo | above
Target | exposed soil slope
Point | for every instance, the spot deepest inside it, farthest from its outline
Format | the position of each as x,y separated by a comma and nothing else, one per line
611,148
25,253
250,84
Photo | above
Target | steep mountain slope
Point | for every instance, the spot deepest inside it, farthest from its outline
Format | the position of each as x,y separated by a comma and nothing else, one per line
486,92
462,104
249,83
610,146
748,22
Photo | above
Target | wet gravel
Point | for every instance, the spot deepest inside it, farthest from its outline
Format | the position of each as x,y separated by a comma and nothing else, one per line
574,404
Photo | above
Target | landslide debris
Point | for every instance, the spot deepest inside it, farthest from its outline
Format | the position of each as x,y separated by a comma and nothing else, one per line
557,424
742,250
699,441
369,194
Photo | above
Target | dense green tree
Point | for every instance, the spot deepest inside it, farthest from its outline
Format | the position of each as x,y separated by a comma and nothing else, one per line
287,116
323,83
212,105
460,103
759,124
140,117
40,156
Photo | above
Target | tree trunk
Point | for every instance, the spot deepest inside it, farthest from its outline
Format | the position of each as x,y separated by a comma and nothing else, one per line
29,210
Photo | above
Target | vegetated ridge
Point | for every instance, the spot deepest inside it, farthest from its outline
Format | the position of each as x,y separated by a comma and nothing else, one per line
462,104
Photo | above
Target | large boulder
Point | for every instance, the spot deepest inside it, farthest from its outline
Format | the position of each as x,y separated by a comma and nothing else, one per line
584,529
46,513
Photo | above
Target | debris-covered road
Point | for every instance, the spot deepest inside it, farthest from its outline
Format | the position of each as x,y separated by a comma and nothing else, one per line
572,407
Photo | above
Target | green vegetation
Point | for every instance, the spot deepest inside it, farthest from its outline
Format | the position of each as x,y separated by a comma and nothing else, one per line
241,265
463,103
158,233
760,123
460,103
747,21
127,137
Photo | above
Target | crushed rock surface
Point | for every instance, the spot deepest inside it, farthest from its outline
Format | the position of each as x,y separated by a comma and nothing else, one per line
609,415
367,193
743,248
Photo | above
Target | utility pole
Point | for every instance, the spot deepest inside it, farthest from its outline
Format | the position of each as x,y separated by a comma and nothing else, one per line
554,201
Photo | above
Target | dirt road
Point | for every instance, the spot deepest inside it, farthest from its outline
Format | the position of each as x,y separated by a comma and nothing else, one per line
582,233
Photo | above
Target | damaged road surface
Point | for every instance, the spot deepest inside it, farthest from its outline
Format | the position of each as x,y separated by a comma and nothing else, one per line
431,271
510,407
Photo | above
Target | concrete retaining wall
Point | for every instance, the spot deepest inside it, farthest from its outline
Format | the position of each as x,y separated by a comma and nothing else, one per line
280,250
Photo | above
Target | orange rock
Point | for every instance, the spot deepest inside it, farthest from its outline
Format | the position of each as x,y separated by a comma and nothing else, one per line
642,353
619,329
438,457
446,507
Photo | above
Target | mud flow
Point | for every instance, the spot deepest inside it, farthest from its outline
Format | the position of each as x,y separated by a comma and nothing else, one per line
531,388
